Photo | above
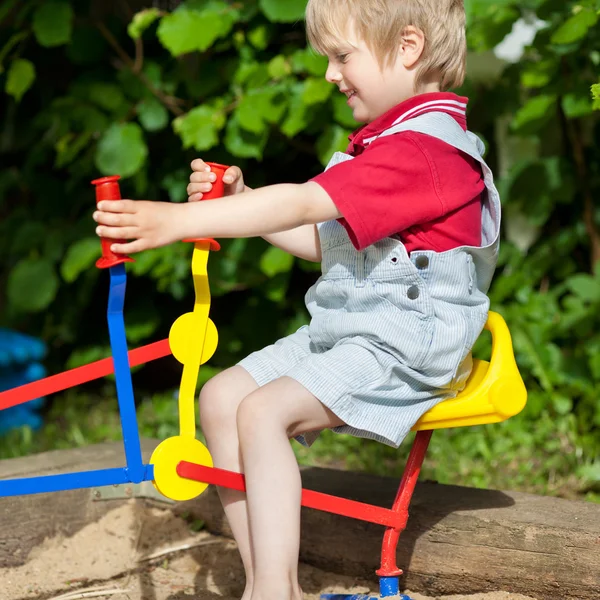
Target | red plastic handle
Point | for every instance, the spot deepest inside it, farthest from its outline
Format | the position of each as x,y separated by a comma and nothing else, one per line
107,188
218,189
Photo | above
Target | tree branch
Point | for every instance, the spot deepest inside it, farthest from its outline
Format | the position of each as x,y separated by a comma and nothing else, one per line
170,102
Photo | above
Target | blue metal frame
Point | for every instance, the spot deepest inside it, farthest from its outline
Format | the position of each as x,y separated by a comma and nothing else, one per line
135,471
388,587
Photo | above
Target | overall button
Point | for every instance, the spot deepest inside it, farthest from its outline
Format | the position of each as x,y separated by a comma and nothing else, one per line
422,262
413,292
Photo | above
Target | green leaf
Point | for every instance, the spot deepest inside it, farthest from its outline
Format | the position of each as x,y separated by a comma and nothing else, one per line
299,115
333,139
21,75
262,106
186,30
596,96
32,285
9,45
243,143
590,472
279,67
585,287
275,261
106,95
80,256
259,37
53,23
176,185
535,109
316,90
70,146
538,74
577,105
563,405
141,21
287,11
121,150
248,115
576,27
308,61
152,114
200,127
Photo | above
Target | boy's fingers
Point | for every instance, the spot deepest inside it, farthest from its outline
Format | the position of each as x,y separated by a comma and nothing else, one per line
129,248
198,188
113,219
117,206
199,165
232,174
195,197
117,233
202,177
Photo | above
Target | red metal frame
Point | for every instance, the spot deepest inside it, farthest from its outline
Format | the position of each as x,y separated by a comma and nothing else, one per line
310,499
95,370
389,568
395,519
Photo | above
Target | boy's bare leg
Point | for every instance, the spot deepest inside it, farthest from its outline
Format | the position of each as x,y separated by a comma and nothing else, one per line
267,419
219,402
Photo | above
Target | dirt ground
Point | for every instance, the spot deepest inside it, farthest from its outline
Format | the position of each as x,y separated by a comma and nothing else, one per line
143,552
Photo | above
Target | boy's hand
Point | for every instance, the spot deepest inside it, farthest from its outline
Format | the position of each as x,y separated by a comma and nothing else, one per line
148,224
202,178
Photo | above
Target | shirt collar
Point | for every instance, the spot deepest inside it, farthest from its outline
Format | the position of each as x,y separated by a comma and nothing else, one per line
447,102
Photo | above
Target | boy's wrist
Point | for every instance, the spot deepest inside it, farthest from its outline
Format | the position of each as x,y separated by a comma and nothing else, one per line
187,221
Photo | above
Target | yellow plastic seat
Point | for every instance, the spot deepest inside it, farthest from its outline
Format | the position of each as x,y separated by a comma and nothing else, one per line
494,392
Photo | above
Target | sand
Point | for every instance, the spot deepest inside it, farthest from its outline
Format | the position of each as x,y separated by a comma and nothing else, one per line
141,551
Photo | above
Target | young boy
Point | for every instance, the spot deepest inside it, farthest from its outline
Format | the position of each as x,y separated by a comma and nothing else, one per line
406,226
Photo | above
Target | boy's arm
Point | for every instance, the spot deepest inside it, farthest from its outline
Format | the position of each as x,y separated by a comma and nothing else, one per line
264,212
302,242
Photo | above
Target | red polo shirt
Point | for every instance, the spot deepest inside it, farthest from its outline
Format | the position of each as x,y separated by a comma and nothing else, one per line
409,185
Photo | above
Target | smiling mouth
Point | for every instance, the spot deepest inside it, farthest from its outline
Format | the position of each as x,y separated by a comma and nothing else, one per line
350,93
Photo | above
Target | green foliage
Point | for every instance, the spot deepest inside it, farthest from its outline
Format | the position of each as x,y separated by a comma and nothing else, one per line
89,93
53,23
20,77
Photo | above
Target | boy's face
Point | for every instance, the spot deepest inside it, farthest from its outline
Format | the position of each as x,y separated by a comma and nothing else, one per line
371,91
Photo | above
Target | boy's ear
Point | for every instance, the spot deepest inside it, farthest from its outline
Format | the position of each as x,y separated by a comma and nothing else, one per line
412,44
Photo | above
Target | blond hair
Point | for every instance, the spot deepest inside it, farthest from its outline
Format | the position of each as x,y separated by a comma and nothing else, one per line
380,24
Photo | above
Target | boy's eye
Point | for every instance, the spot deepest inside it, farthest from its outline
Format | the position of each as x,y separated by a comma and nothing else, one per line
342,57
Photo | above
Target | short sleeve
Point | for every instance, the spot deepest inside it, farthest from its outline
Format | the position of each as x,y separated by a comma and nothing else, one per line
391,186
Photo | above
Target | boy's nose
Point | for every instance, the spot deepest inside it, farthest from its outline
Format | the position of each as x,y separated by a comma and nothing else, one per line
332,74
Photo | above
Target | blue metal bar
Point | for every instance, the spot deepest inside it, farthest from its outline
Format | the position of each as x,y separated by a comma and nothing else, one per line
357,597
390,586
118,344
70,481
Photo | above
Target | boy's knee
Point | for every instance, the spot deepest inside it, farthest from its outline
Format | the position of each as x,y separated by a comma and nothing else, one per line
219,400
258,412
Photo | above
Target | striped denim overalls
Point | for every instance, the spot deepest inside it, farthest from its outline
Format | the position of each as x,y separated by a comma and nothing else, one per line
390,334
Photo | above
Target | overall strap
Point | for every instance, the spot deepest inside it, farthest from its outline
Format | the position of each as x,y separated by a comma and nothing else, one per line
443,127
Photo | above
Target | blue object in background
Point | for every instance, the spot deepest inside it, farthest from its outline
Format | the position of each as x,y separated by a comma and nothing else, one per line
19,364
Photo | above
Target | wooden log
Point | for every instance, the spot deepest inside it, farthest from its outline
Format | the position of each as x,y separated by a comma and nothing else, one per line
25,521
458,540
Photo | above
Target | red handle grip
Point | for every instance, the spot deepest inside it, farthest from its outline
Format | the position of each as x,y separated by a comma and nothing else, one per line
218,189
107,188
